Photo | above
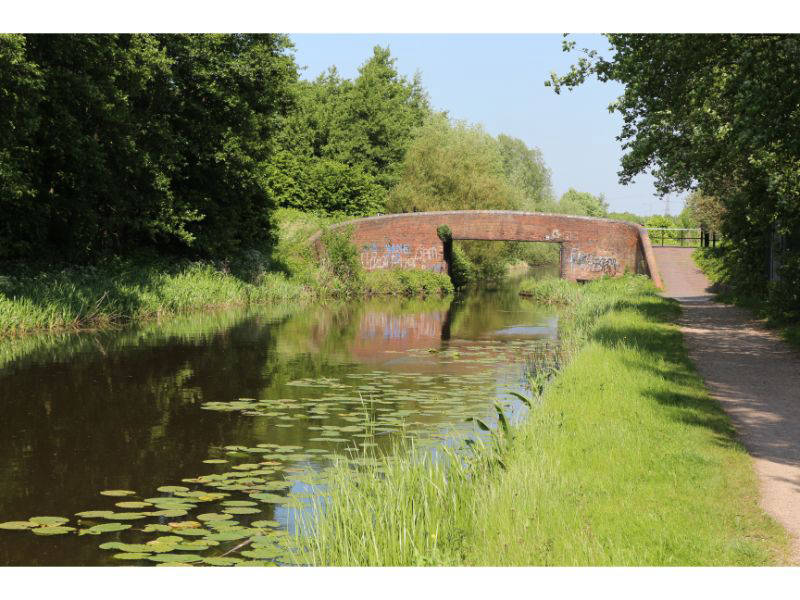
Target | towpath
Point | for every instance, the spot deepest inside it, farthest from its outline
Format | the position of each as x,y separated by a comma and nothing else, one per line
753,374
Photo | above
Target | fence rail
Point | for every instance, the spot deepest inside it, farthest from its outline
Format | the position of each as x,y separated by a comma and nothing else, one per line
677,236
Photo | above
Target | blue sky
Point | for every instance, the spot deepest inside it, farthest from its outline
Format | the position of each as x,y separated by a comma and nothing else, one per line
498,81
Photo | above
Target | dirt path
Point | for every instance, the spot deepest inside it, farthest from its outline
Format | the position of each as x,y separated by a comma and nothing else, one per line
753,374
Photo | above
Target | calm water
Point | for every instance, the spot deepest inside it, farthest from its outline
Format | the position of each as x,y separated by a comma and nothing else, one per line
270,397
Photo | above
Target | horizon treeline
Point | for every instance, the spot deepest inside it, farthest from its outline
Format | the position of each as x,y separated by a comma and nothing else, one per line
188,143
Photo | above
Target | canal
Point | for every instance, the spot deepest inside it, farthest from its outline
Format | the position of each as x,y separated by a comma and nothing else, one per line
178,441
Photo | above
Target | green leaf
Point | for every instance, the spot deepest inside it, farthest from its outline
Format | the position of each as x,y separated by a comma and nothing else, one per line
263,552
125,516
213,517
222,561
104,528
17,525
111,546
269,498
132,555
116,493
94,514
171,489
229,536
133,504
48,520
524,400
56,530
239,503
241,510
175,558
168,513
265,524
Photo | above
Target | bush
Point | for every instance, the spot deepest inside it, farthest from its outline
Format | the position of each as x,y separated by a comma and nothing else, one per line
406,282
342,259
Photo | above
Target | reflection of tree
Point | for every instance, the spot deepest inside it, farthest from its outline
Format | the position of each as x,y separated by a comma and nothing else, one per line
122,410
126,417
473,315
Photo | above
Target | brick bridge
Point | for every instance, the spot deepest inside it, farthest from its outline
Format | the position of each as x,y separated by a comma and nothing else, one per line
590,247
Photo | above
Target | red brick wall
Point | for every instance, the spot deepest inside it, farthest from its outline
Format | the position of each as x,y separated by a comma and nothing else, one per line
590,247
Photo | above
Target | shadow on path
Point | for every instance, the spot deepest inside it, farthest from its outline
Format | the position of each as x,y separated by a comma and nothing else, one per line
753,374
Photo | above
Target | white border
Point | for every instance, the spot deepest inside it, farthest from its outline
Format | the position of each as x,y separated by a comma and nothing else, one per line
408,16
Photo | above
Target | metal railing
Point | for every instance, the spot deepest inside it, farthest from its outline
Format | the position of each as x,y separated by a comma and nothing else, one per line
677,236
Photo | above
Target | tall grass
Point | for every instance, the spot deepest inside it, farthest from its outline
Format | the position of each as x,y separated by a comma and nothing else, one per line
125,290
410,508
626,460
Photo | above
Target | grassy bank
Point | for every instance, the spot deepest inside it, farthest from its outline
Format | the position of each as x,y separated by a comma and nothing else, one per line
624,461
120,290
710,261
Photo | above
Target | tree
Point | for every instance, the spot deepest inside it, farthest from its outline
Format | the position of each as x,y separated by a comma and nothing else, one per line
706,211
357,131
121,141
717,113
573,202
453,166
526,171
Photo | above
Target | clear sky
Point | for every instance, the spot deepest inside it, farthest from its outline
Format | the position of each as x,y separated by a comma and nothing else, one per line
498,81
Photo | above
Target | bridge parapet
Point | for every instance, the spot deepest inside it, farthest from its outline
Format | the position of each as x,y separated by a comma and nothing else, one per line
590,247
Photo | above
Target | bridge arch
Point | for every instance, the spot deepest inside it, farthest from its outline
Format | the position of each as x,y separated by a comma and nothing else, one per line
590,247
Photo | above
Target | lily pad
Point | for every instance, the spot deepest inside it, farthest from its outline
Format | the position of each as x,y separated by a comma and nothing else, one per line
117,493
191,546
185,525
166,539
241,510
48,521
175,558
263,553
130,547
133,504
239,503
171,489
126,516
213,517
53,530
132,555
17,525
168,513
193,532
229,536
94,514
269,498
215,461
104,528
265,524
222,561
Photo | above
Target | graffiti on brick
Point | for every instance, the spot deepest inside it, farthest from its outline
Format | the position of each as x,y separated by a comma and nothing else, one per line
400,256
594,263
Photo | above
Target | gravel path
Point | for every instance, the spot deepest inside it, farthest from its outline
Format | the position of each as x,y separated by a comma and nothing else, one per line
753,374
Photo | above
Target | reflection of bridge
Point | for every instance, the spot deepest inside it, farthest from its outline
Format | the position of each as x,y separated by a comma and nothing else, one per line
590,247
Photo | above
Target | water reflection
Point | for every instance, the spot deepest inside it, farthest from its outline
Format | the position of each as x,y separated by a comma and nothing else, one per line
124,410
